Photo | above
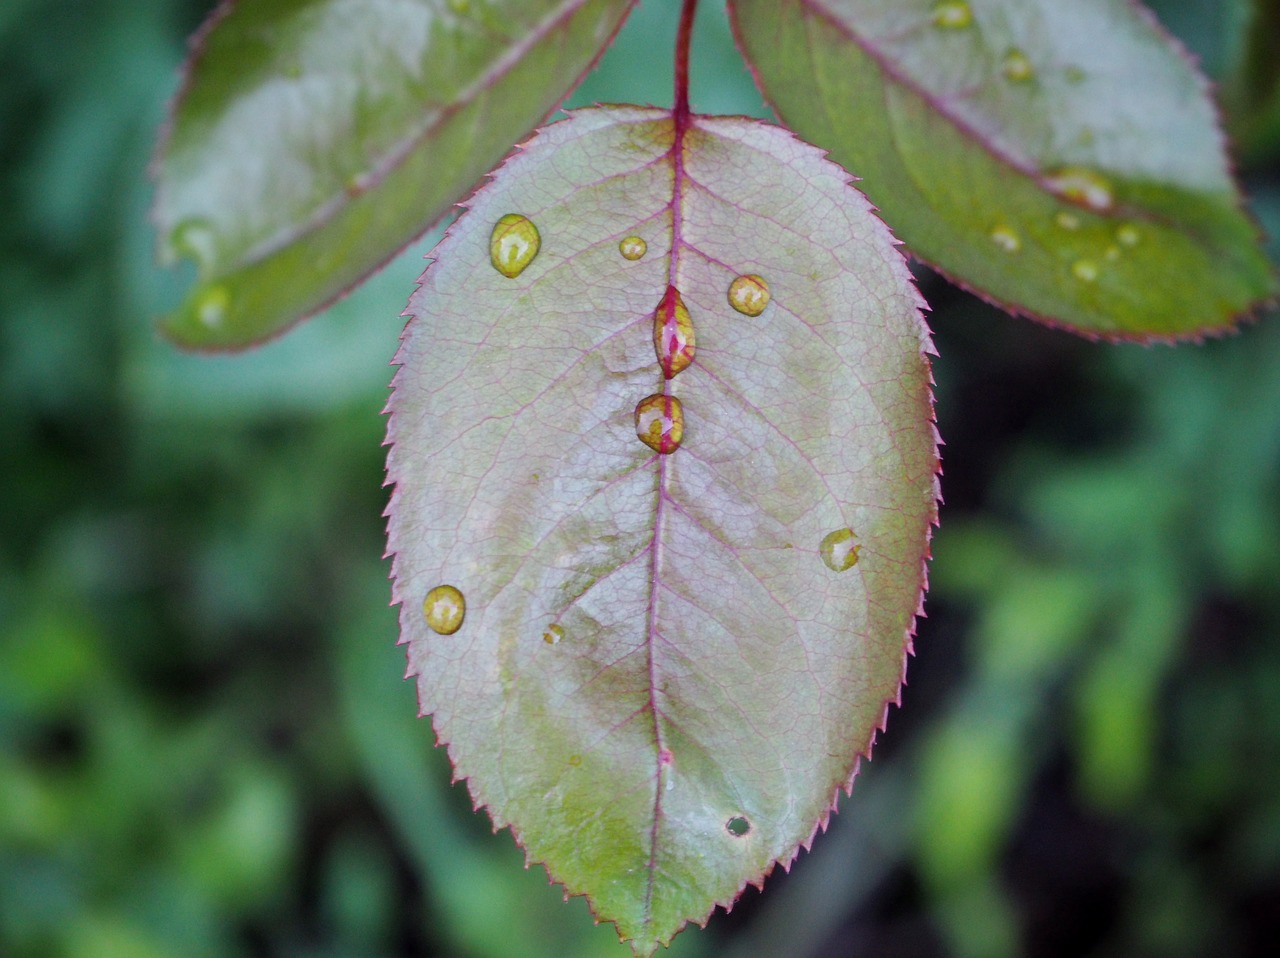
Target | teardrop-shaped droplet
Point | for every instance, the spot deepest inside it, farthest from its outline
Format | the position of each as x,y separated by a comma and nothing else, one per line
839,551
1007,238
444,609
211,306
554,634
633,248
1083,186
749,294
673,338
952,15
1017,66
660,423
514,244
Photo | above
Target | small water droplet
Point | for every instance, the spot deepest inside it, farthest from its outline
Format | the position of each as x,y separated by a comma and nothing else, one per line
444,608
952,15
673,338
749,294
194,238
1067,220
554,634
738,826
1007,238
660,423
1127,234
1017,66
575,760
513,244
1085,270
211,306
1073,75
839,551
1083,186
633,248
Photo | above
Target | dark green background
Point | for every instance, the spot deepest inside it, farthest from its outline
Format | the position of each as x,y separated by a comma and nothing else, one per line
206,748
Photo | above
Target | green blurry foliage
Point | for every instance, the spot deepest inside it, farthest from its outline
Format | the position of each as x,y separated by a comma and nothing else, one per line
204,746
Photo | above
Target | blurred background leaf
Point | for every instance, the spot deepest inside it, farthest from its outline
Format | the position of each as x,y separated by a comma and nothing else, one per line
206,748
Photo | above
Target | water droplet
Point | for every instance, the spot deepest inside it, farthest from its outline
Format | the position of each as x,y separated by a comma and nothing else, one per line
749,294
554,634
211,306
1085,270
1127,234
444,608
1017,66
673,338
575,760
1083,186
633,248
660,423
194,238
738,826
1006,238
1073,75
514,244
838,550
952,15
1067,220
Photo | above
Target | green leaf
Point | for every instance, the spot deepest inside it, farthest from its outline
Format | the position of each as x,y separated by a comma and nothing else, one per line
315,138
659,682
1062,159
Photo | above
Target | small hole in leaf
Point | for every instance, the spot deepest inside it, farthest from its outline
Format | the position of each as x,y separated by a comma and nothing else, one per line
737,826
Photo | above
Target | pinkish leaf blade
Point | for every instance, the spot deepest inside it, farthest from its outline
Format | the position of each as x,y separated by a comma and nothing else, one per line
661,680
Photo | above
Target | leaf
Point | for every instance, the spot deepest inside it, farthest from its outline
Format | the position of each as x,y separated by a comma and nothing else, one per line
315,138
658,683
1063,159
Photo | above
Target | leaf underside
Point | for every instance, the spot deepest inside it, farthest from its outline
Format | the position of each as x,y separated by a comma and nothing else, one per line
313,139
659,683
1062,159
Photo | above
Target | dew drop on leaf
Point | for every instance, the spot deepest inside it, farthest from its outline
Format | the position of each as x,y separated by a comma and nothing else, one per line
211,307
1067,220
660,423
554,634
1083,186
1017,66
514,244
444,609
1007,238
1127,234
738,826
952,15
673,338
1085,270
749,294
839,551
633,248
194,238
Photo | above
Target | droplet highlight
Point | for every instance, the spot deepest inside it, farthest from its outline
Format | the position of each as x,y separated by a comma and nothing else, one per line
660,423
633,248
513,245
738,826
1007,238
1067,220
839,551
194,238
554,634
1082,185
952,15
1085,270
444,609
212,305
1127,235
673,338
1017,66
749,294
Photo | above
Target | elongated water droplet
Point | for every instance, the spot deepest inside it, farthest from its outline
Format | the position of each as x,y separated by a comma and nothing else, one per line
952,15
1085,270
673,338
1017,66
633,248
1083,186
1067,220
660,423
444,608
749,294
211,306
839,551
514,244
554,634
1007,238
1127,234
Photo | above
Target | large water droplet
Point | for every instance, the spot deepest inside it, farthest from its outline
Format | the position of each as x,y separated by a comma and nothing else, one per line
633,247
839,551
1017,66
952,15
660,423
1127,234
554,634
1007,238
1085,270
444,608
749,294
514,244
673,338
211,306
1083,186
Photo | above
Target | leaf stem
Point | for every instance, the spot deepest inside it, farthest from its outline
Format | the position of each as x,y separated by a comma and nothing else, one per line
681,104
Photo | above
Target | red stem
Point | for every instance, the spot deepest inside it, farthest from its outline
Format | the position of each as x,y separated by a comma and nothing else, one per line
681,106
